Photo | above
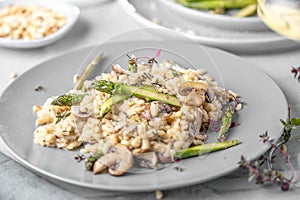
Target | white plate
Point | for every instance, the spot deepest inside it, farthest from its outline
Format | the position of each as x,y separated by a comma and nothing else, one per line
221,21
151,14
265,105
70,11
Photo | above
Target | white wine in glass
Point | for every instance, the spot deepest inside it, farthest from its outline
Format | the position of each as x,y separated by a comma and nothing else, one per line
282,16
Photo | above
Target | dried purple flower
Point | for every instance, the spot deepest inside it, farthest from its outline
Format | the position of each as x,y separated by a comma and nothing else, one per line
234,124
296,72
214,125
285,186
79,157
179,169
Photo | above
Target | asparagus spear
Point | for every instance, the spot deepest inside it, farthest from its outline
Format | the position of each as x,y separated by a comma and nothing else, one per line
87,71
73,99
226,123
209,5
108,103
89,162
247,11
205,148
104,86
108,86
68,100
142,92
151,95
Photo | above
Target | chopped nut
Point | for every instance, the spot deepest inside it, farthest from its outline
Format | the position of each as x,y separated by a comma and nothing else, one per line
145,144
13,75
75,78
155,21
29,22
37,108
239,107
159,194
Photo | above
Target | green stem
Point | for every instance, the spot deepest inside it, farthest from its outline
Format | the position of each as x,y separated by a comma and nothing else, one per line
226,123
108,103
88,70
150,95
68,100
247,11
146,92
205,148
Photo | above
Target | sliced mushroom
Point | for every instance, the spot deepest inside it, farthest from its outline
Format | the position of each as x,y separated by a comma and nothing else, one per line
164,159
147,160
186,87
198,120
163,107
195,126
210,95
75,110
119,161
118,69
99,166
195,98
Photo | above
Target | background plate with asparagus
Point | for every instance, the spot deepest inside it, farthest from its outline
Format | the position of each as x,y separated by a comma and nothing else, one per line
229,14
240,8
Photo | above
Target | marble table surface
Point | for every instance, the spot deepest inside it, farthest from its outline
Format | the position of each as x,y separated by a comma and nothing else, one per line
97,23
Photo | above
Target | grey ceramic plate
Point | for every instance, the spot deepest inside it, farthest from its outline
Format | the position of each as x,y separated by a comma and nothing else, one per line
265,105
152,14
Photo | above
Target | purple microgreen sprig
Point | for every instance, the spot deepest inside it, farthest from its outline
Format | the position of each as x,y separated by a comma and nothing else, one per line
133,61
79,157
264,175
214,125
289,124
296,72
234,124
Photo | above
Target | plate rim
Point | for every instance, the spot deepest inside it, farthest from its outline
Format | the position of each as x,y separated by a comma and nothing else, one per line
46,174
216,19
225,44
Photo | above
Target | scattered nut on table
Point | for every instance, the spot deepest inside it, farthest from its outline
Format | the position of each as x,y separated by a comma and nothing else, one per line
29,22
159,194
13,75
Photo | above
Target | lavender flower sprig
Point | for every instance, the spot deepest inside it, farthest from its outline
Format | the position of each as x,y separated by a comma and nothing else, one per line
256,169
263,175
269,175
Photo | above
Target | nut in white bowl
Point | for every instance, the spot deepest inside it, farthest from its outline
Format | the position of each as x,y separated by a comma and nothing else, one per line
32,24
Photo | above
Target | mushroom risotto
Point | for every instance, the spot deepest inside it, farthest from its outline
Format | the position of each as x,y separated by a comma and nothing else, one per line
148,112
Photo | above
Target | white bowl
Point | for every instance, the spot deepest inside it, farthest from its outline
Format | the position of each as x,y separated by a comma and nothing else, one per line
69,10
220,21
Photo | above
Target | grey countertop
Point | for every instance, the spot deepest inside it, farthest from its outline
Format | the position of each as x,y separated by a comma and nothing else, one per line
96,24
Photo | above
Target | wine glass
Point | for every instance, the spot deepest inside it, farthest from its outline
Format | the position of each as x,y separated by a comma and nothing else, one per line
282,16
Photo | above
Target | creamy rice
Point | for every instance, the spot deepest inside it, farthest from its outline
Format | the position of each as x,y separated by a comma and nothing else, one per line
140,125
